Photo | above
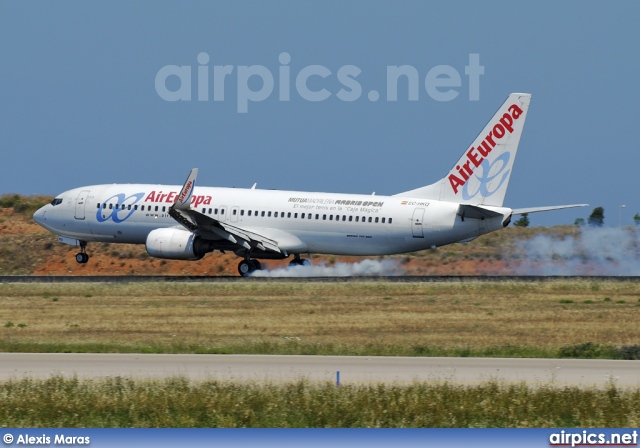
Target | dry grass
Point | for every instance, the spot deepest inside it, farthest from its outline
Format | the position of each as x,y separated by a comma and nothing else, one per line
477,318
176,402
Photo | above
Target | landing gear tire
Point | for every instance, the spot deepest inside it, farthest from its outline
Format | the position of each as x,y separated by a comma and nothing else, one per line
246,267
299,262
82,257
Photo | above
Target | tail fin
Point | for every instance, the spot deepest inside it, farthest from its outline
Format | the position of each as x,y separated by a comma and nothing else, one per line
482,174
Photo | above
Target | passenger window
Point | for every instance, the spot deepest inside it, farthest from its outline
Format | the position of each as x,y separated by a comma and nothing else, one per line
390,220
164,209
369,218
262,214
357,219
222,211
324,217
269,215
376,220
235,212
110,206
330,217
98,205
295,215
275,215
344,217
317,216
156,208
135,207
289,215
104,206
129,207
204,210
383,220
302,216
249,213
350,218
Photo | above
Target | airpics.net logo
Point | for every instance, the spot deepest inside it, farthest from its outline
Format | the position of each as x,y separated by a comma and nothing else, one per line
314,83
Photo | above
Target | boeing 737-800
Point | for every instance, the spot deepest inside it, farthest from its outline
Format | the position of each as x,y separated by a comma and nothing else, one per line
187,223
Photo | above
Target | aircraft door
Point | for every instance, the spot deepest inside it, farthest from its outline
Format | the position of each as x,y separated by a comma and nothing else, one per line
416,223
81,201
234,214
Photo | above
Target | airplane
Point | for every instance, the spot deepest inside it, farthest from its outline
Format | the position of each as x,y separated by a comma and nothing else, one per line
189,222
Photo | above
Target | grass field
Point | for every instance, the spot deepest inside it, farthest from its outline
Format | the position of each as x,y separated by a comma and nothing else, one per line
546,319
176,402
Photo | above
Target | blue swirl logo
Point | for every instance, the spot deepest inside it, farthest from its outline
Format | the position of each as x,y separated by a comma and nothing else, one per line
486,177
117,212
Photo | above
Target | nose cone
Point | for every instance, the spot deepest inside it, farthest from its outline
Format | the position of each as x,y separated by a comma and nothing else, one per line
39,215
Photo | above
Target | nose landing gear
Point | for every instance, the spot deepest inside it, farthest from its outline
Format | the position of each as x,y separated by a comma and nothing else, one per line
82,257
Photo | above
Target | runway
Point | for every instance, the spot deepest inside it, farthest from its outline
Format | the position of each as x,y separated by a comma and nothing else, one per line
337,279
353,369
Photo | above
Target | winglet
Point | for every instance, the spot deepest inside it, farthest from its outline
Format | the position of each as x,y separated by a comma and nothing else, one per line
183,202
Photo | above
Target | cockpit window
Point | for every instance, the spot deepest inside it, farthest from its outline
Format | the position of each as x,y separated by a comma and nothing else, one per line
56,201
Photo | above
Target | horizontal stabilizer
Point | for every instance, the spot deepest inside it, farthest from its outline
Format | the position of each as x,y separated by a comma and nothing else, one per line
476,212
520,211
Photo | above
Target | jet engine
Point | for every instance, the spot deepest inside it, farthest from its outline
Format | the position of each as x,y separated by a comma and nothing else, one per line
177,244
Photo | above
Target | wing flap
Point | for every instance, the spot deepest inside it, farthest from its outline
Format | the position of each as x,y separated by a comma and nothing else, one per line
255,238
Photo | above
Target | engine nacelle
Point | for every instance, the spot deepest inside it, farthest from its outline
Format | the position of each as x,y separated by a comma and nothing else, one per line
176,244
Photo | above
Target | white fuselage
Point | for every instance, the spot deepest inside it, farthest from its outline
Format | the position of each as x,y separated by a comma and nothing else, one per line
301,222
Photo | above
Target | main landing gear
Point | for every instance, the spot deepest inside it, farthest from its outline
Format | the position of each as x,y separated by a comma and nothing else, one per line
297,261
82,257
246,267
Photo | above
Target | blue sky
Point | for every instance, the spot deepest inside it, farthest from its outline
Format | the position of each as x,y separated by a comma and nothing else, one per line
79,102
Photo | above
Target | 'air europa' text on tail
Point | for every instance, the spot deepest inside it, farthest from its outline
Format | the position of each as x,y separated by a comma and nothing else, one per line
475,156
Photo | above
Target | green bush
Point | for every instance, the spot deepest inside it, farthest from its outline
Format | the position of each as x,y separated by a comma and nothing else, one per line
589,350
23,204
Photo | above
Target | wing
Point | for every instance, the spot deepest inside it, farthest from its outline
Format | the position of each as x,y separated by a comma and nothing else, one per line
212,229
228,236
